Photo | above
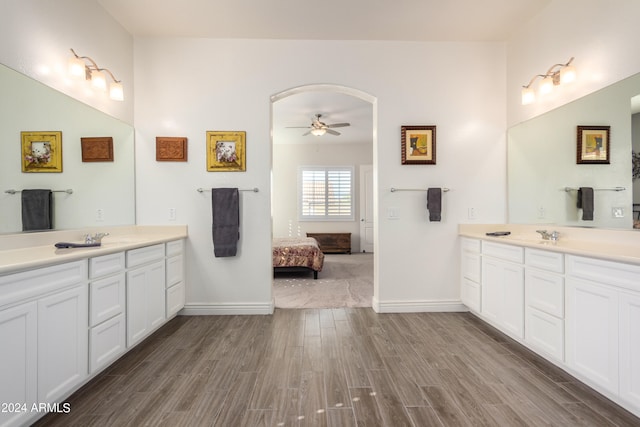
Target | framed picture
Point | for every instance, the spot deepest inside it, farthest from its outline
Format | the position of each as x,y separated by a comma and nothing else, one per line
418,145
171,149
41,151
226,151
98,149
593,144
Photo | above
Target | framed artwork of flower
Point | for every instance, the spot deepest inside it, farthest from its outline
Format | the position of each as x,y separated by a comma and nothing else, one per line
226,151
41,151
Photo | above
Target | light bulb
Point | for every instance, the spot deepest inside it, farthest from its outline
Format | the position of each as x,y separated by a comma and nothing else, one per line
98,80
568,74
116,91
77,68
528,96
546,86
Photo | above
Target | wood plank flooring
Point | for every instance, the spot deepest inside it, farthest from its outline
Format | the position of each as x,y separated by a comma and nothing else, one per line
335,367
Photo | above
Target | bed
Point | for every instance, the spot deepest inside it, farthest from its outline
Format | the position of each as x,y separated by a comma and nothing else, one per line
296,254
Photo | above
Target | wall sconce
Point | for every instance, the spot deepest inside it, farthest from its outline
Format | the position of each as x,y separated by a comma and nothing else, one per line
557,74
85,67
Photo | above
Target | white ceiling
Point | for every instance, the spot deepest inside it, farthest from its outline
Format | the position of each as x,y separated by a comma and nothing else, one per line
408,20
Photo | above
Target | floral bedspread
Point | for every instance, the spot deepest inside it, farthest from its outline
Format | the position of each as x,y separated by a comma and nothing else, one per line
297,252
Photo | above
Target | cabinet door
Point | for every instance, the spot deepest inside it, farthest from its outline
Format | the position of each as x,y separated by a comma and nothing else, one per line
62,342
492,289
145,300
630,348
592,332
106,342
18,360
503,295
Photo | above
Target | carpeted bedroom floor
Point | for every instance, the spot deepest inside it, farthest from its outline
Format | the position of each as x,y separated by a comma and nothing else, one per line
345,281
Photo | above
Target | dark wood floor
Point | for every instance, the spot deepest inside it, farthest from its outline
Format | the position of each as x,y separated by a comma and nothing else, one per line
335,367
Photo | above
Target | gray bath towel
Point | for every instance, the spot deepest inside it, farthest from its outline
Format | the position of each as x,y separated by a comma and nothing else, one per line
434,203
585,202
37,210
225,210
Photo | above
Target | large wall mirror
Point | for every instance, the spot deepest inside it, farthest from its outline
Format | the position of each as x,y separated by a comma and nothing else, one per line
543,172
103,192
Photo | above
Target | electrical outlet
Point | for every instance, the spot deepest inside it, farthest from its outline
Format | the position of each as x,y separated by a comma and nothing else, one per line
100,214
542,212
472,213
172,214
617,212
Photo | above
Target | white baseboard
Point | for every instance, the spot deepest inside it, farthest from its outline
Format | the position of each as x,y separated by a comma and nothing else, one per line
226,309
418,306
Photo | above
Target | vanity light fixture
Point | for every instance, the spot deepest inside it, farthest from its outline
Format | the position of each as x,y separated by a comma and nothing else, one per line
318,131
557,74
85,67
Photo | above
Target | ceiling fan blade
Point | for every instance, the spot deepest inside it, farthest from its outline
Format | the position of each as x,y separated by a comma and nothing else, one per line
332,132
296,127
339,125
306,133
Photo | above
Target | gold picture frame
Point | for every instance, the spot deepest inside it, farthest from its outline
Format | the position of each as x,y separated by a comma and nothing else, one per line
418,145
41,151
226,151
593,145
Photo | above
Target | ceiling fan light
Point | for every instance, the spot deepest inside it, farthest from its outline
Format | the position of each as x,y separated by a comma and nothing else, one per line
318,131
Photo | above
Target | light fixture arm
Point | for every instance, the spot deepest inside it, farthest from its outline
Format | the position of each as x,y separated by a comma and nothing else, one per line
93,66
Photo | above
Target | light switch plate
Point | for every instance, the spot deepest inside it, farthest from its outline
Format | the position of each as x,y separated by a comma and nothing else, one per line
617,212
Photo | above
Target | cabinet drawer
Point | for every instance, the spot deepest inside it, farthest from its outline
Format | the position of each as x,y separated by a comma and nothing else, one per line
470,294
176,247
545,292
144,255
545,260
174,270
470,245
106,298
105,265
175,299
107,341
506,252
601,271
545,333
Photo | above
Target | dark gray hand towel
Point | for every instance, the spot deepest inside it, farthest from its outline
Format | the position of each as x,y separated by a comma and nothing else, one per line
37,210
585,202
434,203
225,210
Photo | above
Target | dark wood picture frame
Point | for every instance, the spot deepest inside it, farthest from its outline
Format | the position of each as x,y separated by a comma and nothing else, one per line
593,145
418,145
171,149
97,149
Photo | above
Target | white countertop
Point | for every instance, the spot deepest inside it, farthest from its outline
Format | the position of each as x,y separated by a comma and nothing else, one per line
613,245
30,250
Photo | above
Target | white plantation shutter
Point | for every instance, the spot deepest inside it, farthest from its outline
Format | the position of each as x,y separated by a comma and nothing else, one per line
326,193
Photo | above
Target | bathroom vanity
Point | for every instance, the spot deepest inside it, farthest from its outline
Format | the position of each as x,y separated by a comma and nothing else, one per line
67,314
574,301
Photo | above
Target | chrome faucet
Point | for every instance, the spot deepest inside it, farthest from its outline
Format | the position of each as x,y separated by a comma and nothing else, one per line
96,238
553,236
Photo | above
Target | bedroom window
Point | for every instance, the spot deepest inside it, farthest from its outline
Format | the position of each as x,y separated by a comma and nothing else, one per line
326,193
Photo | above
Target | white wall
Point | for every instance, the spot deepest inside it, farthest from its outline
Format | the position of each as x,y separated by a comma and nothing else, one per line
287,158
195,85
37,35
602,35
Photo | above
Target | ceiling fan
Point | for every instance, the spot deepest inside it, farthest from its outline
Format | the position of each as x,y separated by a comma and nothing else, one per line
319,128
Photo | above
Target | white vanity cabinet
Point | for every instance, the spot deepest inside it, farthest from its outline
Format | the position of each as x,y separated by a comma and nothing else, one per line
544,302
107,305
175,289
470,274
503,287
145,291
603,325
43,328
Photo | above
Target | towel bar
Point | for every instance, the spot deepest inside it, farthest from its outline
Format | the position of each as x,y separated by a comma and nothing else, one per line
567,189
68,191
255,189
393,190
